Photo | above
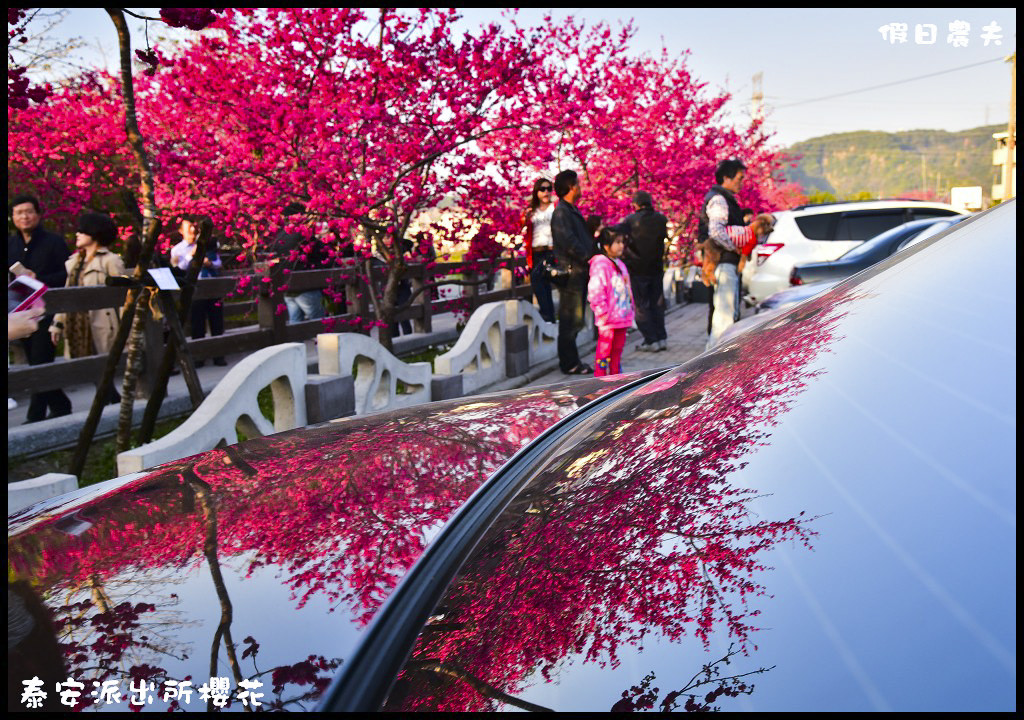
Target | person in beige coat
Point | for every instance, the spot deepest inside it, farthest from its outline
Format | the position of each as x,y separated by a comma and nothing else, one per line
92,332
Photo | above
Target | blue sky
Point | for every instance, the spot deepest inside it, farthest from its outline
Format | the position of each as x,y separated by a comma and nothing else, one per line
803,55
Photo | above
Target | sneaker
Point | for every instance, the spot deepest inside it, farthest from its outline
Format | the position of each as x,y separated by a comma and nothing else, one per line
647,347
11,404
220,362
662,345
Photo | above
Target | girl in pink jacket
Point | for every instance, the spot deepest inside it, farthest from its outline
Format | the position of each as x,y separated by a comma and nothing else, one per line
611,297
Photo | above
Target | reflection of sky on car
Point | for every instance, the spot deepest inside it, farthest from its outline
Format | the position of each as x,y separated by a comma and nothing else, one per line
930,232
905,600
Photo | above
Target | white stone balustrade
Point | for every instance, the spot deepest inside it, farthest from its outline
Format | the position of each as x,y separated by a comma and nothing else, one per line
479,353
543,336
376,372
23,493
232,405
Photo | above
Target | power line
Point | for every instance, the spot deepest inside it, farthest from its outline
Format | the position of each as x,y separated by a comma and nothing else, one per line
889,84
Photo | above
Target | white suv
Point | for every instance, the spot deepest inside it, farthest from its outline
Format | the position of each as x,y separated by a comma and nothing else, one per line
821,233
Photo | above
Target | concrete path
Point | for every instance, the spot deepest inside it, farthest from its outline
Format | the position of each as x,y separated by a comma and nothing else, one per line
686,327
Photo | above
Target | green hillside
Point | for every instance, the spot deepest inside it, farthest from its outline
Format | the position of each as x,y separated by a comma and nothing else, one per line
891,164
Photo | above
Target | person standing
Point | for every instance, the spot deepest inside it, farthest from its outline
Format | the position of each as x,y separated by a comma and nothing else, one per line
725,238
573,245
611,297
295,252
645,257
91,332
540,246
209,310
43,255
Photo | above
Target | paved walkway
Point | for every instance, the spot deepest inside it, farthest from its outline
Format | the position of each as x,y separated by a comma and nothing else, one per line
686,327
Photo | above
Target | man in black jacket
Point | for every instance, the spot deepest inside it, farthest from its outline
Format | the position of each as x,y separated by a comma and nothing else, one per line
645,259
573,246
43,253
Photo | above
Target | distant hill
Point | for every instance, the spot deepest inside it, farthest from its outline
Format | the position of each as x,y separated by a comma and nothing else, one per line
890,164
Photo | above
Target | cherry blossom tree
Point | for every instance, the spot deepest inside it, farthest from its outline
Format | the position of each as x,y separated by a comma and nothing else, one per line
365,120
369,119
72,153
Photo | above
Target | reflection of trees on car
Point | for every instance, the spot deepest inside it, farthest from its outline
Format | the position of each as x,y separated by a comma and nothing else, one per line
636,528
340,511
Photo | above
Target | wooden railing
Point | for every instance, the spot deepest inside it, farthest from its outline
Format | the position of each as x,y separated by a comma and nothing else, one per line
272,327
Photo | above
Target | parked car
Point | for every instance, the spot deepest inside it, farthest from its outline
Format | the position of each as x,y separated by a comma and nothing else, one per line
821,233
818,515
870,251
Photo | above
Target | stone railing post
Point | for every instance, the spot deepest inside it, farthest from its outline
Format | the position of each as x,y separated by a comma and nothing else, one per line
233,404
376,374
479,353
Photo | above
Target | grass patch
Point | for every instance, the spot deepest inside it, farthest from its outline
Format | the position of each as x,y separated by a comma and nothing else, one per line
428,355
101,464
265,400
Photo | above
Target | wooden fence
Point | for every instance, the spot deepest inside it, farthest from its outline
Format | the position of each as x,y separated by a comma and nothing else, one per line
272,327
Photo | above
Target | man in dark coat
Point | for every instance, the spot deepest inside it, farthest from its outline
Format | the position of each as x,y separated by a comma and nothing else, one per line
647,231
43,254
573,247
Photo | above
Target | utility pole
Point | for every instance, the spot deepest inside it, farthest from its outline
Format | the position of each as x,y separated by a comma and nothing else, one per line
1009,190
757,98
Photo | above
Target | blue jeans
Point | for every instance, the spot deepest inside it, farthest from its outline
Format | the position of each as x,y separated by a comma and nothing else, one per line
305,306
541,284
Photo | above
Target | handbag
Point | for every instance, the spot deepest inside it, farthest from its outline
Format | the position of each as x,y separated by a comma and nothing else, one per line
557,274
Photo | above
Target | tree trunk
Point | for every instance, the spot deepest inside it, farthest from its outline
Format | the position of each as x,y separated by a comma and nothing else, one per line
150,231
183,357
387,300
131,371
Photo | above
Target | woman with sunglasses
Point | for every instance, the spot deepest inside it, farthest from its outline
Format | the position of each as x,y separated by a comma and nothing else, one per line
537,223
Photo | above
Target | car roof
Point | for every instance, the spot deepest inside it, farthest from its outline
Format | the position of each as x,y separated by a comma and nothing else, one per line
866,205
819,514
903,230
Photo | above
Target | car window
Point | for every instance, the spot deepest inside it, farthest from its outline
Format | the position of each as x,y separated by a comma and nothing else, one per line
816,227
870,246
861,226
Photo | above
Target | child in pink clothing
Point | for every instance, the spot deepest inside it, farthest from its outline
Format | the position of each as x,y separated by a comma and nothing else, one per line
611,297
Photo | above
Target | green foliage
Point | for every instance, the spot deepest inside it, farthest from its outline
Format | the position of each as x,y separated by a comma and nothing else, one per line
862,196
821,197
265,399
867,165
